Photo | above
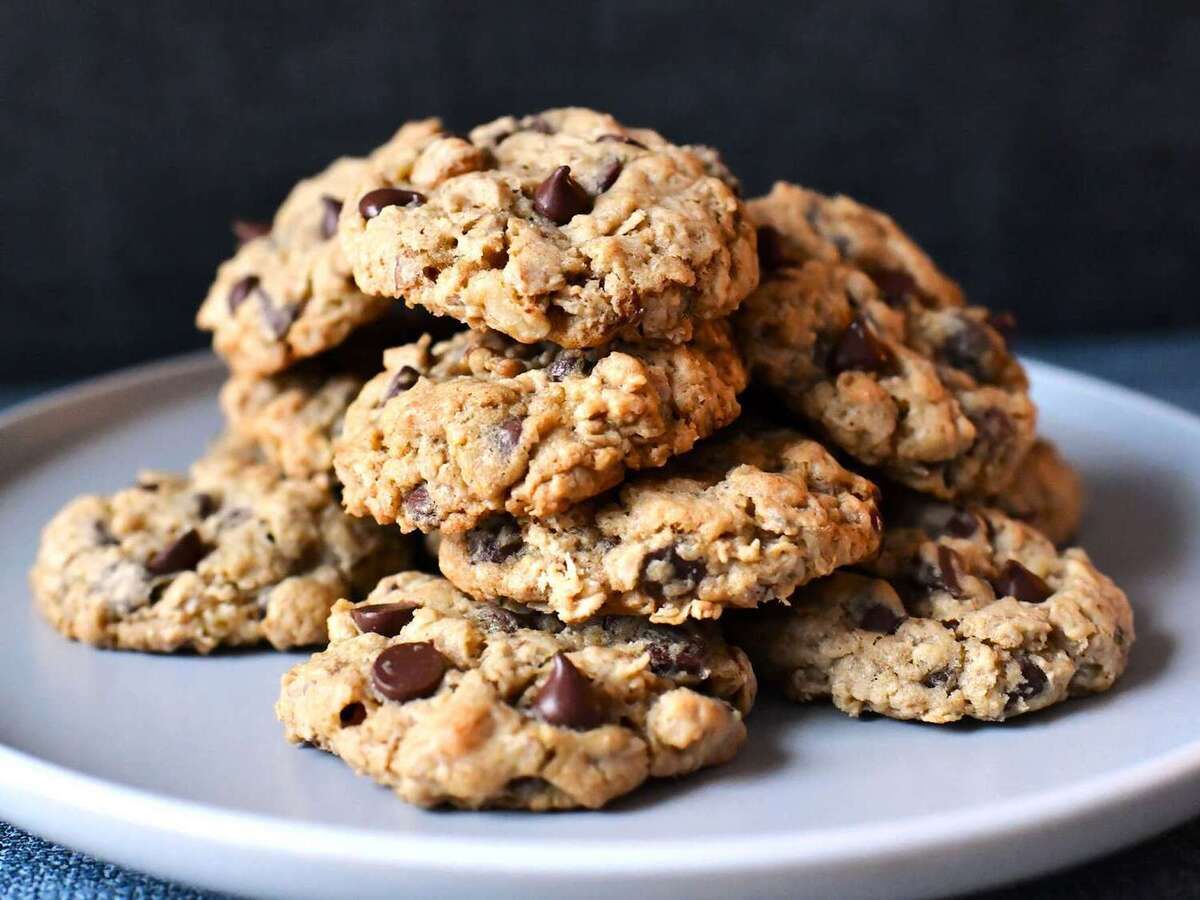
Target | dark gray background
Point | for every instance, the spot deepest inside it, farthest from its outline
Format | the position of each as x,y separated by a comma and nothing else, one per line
1045,153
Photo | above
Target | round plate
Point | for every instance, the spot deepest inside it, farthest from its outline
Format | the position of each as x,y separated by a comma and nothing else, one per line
176,765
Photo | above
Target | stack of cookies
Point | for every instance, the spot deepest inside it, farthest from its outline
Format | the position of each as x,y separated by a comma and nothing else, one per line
659,442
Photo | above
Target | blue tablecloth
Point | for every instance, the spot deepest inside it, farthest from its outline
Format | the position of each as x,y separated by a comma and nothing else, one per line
1167,866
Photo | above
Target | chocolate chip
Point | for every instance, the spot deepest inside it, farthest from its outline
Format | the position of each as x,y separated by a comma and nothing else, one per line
382,618
858,349
671,658
497,618
949,562
245,231
961,524
1033,681
507,435
940,678
376,201
405,378
240,291
494,540
620,139
331,208
880,618
1017,581
419,506
1005,323
569,362
560,198
181,554
352,714
568,698
277,318
610,175
206,505
770,249
894,284
408,671
665,566
992,426
967,349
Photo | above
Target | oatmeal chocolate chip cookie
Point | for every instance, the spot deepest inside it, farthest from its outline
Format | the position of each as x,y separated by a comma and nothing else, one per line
745,519
965,613
288,293
454,701
796,224
564,226
481,424
1046,493
929,395
235,554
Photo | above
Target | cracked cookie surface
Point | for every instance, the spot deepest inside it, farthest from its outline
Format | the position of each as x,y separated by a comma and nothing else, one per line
738,521
565,226
904,379
452,701
232,554
480,424
966,613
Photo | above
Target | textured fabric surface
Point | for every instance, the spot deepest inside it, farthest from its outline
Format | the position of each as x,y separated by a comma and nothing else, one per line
1165,867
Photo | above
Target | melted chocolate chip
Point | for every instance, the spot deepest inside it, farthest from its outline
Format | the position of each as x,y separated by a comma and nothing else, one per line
860,350
569,362
1017,581
494,540
352,714
240,291
560,198
181,554
610,175
277,318
894,284
245,231
880,618
497,618
408,671
382,618
405,378
507,435
567,698
206,505
961,524
672,658
940,678
1033,681
967,349
419,506
331,208
376,201
949,563
665,566
620,139
770,249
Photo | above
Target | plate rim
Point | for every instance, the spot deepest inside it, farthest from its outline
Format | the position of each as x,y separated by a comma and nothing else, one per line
25,777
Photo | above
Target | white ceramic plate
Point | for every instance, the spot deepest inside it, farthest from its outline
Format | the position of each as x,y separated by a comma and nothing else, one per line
176,766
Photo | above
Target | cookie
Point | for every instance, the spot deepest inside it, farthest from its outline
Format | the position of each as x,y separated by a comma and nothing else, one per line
796,224
739,521
453,701
480,424
232,554
289,293
925,391
1046,493
565,226
966,613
